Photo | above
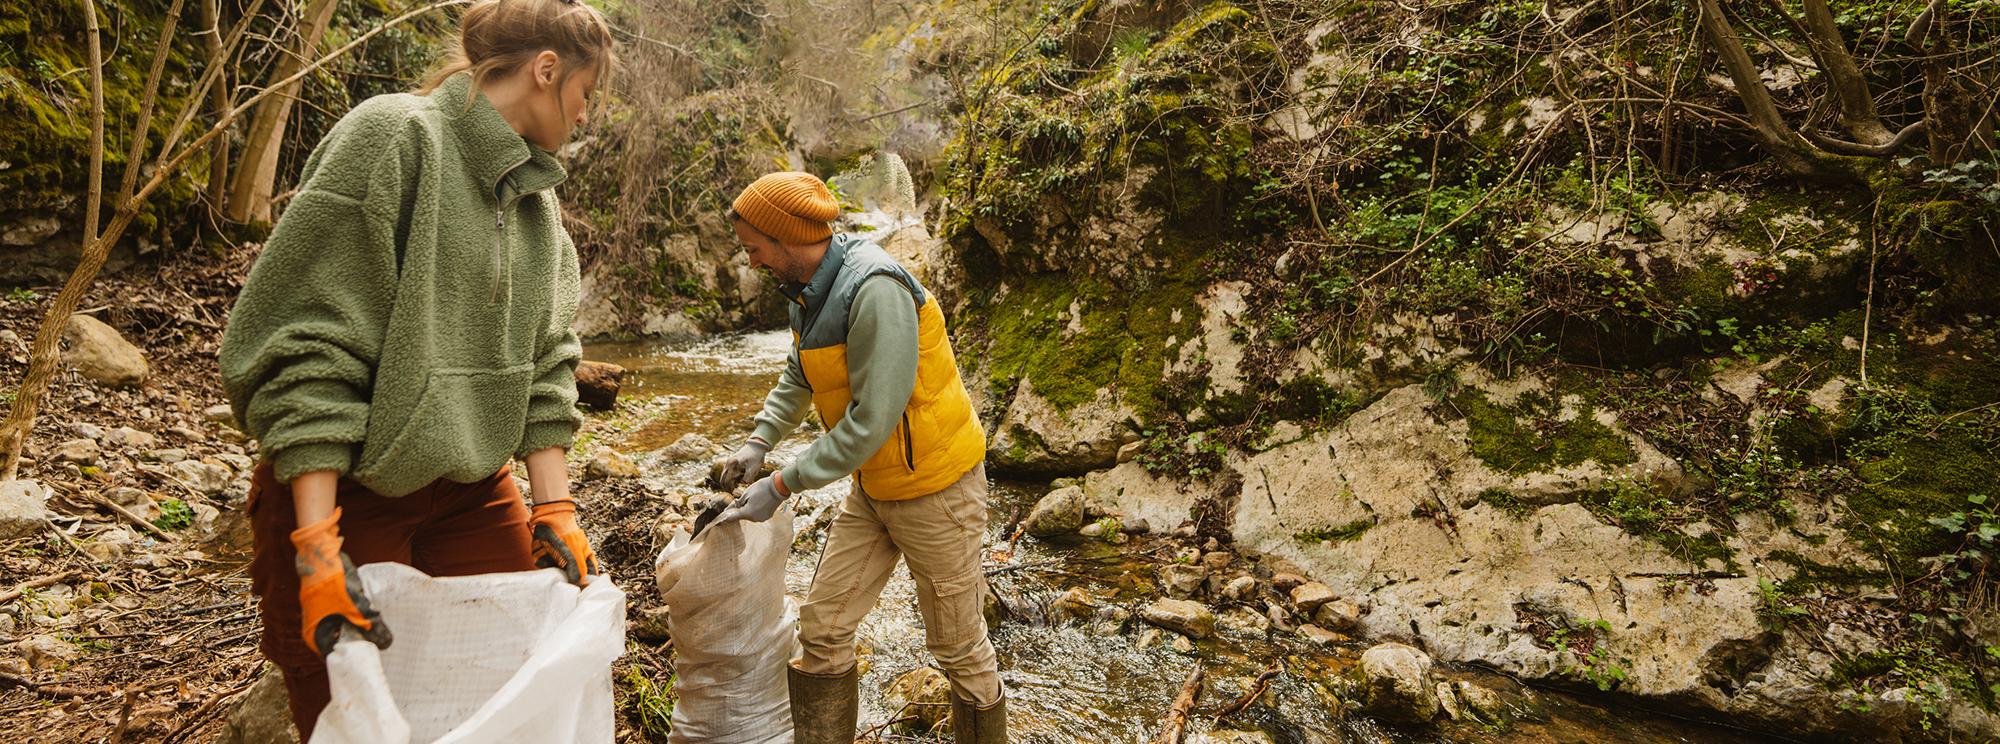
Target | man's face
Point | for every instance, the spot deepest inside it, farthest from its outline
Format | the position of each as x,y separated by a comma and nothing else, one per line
767,254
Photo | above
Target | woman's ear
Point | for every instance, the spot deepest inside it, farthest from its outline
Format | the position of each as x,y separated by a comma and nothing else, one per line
546,67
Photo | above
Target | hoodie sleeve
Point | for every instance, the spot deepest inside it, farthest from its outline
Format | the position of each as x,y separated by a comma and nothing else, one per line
299,354
552,415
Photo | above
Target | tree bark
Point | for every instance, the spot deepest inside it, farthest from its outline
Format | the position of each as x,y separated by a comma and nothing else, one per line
218,94
1791,150
257,170
1844,81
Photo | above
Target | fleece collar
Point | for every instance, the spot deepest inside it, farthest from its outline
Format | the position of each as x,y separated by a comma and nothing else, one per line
493,150
812,294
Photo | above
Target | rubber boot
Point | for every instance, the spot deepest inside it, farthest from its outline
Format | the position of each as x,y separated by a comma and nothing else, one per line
824,709
971,724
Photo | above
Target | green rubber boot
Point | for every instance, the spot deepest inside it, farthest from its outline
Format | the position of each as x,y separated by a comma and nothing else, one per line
824,709
971,724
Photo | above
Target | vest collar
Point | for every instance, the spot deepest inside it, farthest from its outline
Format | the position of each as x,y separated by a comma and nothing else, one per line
502,161
812,294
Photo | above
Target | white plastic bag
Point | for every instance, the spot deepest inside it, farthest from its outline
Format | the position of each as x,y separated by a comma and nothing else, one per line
509,657
734,631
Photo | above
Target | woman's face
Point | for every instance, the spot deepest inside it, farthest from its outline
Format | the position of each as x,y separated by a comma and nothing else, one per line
562,104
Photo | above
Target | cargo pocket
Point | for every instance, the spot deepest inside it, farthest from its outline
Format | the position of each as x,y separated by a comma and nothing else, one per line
464,426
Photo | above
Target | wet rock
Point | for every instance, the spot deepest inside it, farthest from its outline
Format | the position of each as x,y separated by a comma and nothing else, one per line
43,652
1075,604
1483,704
1316,634
1095,529
219,413
650,624
1241,588
690,447
126,436
1232,736
23,509
1148,638
1058,513
1310,595
1448,704
597,384
1344,615
1180,616
1396,684
1135,526
207,478
1243,621
1111,619
263,716
1286,582
610,464
98,352
922,693
1183,645
1182,581
79,451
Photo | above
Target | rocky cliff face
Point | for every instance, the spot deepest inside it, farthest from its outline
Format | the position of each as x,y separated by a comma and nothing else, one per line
1708,440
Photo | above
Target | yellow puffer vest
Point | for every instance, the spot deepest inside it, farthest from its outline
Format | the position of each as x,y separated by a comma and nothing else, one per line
939,439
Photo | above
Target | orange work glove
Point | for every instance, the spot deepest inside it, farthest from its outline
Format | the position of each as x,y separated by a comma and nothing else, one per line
559,543
330,594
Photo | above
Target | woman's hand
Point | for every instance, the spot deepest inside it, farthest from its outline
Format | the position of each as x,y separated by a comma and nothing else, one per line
558,541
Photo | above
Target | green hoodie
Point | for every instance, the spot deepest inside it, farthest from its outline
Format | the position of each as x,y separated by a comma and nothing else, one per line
409,318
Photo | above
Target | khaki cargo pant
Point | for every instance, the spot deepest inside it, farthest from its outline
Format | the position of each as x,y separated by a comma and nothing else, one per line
940,534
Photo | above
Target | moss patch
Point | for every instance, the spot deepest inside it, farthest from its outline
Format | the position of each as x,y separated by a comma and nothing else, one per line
1917,478
1527,437
1337,534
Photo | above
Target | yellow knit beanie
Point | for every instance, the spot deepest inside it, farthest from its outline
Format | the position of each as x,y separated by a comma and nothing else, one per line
796,208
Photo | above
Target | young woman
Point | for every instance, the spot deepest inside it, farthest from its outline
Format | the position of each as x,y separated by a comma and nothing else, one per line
405,335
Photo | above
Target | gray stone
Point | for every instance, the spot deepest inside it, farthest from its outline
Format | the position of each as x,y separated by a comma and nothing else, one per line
204,520
167,456
1243,621
1075,604
1241,588
1130,451
237,463
1058,513
1183,645
126,436
79,451
207,478
1316,634
111,545
1310,595
219,414
1182,581
263,715
1483,704
23,509
1180,616
134,500
30,230
1395,684
610,464
98,352
86,430
1344,615
1217,560
1094,529
43,652
689,447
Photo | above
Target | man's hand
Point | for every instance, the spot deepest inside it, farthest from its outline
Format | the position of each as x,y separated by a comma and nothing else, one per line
742,466
756,504
330,594
559,543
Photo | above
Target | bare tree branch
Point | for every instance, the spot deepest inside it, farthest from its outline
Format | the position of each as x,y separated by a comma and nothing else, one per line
1841,147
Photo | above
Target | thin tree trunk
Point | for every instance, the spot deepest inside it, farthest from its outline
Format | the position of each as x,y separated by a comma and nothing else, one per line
1844,81
218,157
257,171
1792,152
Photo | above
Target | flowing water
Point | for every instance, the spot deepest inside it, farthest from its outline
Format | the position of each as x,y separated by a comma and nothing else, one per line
1075,682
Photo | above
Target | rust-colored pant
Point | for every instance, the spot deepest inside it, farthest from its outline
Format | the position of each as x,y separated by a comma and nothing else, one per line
443,529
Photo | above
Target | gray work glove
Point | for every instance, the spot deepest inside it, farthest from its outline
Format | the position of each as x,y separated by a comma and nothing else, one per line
756,504
741,466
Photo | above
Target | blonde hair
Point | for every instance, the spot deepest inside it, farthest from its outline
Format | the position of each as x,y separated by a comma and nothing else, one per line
498,36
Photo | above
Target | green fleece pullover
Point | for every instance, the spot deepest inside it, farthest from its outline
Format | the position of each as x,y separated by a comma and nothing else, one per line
881,369
409,318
